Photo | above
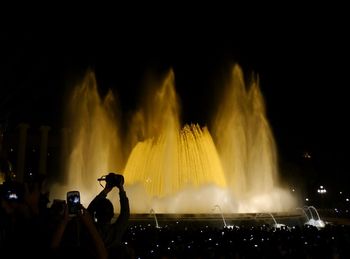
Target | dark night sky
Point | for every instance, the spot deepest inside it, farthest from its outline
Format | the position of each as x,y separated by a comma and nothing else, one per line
303,68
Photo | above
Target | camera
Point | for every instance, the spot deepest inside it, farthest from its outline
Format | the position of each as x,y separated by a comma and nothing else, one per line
113,179
73,202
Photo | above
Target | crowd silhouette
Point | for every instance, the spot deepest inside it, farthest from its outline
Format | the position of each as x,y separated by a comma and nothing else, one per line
30,227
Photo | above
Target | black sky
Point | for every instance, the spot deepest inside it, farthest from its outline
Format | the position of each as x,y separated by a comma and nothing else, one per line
303,68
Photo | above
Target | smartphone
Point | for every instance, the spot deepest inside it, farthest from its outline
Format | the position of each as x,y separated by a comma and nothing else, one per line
73,202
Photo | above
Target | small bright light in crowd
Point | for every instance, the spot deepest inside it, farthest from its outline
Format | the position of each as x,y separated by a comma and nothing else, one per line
307,199
256,245
125,243
293,190
347,199
307,155
321,186
340,192
13,196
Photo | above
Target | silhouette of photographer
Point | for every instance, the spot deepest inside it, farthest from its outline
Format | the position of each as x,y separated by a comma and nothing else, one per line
102,209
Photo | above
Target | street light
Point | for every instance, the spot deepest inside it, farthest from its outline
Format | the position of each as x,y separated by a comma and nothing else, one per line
322,190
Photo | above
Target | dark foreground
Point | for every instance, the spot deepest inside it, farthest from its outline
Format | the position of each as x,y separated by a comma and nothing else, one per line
244,236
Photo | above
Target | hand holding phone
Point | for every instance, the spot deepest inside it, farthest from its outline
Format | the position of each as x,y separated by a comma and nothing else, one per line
73,202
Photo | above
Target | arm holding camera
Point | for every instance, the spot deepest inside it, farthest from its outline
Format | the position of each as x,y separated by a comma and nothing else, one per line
100,247
58,233
83,216
112,180
104,210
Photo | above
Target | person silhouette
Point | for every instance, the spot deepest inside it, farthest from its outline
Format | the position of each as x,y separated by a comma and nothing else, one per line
103,211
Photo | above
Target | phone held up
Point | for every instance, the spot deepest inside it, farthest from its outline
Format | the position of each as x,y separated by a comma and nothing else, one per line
73,203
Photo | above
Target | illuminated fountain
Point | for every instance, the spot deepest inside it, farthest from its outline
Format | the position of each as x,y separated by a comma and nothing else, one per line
275,225
155,217
173,168
318,222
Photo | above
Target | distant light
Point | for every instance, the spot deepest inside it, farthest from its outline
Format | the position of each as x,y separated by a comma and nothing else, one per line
307,155
347,199
13,196
307,199
340,192
125,243
11,149
256,245
293,190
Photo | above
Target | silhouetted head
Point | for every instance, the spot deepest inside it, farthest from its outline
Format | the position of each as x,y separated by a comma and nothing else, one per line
104,211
